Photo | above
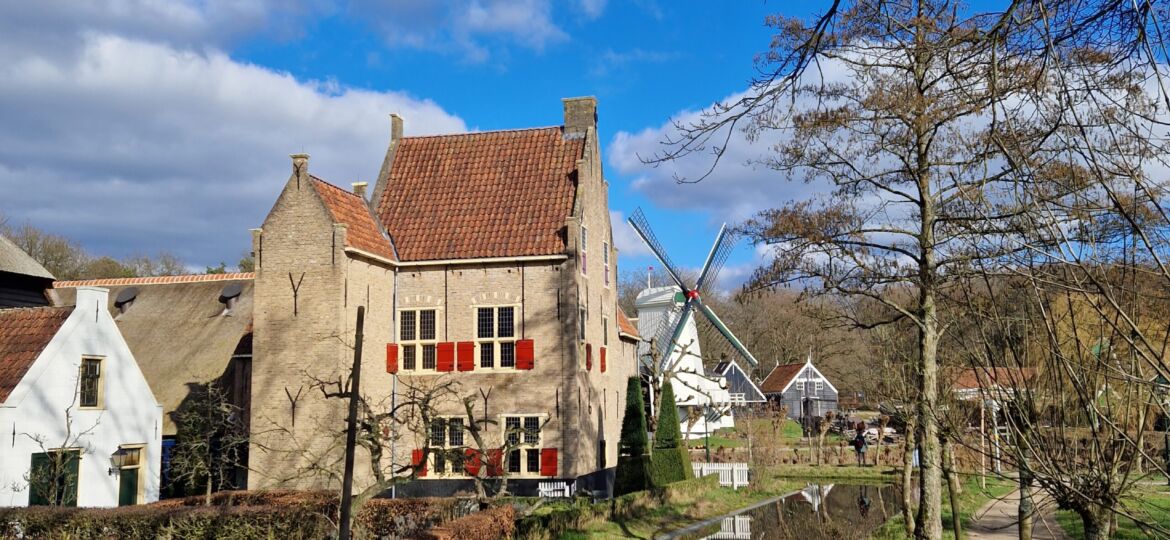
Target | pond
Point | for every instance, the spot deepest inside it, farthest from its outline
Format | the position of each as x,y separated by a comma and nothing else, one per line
819,511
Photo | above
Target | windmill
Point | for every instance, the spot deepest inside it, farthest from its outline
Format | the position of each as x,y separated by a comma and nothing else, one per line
691,296
668,314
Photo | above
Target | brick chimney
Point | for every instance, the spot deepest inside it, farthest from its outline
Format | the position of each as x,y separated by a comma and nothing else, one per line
300,163
580,114
395,128
359,189
87,297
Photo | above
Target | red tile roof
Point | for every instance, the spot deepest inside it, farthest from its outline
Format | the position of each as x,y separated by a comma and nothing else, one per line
624,324
778,379
153,280
490,194
24,333
363,232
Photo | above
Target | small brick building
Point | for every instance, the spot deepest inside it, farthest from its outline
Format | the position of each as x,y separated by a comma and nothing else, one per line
483,258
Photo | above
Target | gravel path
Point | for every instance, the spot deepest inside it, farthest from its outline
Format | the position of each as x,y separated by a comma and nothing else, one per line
997,520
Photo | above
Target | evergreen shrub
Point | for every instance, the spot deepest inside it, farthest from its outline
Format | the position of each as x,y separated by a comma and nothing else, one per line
633,462
670,461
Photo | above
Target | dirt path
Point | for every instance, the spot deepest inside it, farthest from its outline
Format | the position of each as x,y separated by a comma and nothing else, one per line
997,520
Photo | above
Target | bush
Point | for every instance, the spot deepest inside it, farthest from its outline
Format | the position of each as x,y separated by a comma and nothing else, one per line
670,461
498,522
633,463
288,515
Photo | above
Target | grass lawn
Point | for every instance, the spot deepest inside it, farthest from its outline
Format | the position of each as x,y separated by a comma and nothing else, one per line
764,433
970,500
1149,504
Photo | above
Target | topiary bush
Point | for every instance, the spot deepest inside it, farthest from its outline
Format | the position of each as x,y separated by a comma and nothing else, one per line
633,469
670,461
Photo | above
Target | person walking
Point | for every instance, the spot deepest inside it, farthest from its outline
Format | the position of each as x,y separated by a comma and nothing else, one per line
859,445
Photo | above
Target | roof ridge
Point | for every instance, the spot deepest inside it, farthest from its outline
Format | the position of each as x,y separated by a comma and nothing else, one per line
154,280
487,132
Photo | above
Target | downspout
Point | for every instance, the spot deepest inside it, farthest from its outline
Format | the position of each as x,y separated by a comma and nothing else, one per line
394,376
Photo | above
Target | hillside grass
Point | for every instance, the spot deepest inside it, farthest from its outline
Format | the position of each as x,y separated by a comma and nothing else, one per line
1150,504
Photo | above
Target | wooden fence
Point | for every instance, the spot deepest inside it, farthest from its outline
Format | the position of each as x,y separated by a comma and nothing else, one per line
732,475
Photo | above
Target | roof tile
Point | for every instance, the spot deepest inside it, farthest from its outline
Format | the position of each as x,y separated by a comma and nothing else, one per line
624,324
24,333
153,280
489,194
362,231
781,375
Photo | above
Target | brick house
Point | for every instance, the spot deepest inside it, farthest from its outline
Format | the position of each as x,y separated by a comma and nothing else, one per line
483,258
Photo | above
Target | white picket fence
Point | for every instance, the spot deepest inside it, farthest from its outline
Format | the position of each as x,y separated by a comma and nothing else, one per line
732,475
553,490
733,528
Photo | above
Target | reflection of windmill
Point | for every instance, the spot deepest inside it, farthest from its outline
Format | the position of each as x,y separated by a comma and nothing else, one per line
690,297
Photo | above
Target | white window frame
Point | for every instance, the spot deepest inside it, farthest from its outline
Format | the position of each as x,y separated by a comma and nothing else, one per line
418,345
605,261
449,469
496,342
525,445
819,386
799,386
100,398
583,248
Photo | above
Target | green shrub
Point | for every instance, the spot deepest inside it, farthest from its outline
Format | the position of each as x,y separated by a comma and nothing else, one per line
670,461
633,463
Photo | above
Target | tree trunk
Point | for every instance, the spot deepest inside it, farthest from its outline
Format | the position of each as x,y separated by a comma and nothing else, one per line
207,492
953,487
908,477
929,525
1093,523
1027,508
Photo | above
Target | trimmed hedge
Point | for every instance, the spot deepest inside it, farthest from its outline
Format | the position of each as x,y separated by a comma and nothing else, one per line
633,468
288,515
494,523
670,461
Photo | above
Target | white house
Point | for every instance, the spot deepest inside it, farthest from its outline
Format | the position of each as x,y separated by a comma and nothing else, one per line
693,386
79,421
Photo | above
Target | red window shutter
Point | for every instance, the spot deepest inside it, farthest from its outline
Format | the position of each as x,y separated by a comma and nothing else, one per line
588,357
472,463
445,356
548,461
465,352
391,358
525,354
495,462
603,359
416,457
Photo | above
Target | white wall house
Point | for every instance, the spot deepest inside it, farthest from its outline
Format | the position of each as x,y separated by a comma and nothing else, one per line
692,385
71,397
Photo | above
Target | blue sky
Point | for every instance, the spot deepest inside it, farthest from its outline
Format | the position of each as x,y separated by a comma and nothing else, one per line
144,125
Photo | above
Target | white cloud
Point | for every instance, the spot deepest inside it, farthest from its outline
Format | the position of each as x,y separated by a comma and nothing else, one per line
593,8
130,146
624,237
466,27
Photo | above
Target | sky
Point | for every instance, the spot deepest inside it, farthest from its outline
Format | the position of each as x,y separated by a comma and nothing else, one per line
137,126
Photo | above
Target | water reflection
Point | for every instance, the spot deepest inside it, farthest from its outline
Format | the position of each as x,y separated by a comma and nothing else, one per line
815,512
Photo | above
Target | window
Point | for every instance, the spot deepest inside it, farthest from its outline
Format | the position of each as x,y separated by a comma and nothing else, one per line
581,323
605,260
584,243
522,436
446,442
91,382
418,336
495,332
605,331
800,386
820,385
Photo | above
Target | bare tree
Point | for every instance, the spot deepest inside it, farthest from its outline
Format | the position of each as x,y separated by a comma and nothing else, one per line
211,440
55,476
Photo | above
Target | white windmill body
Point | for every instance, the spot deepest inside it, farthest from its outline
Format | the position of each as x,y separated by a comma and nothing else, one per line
657,308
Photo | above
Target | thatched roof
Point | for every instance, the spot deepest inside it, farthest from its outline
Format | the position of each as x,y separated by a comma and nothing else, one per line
14,260
177,329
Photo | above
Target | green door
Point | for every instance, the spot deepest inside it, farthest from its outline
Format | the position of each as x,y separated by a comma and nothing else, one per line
53,478
128,487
